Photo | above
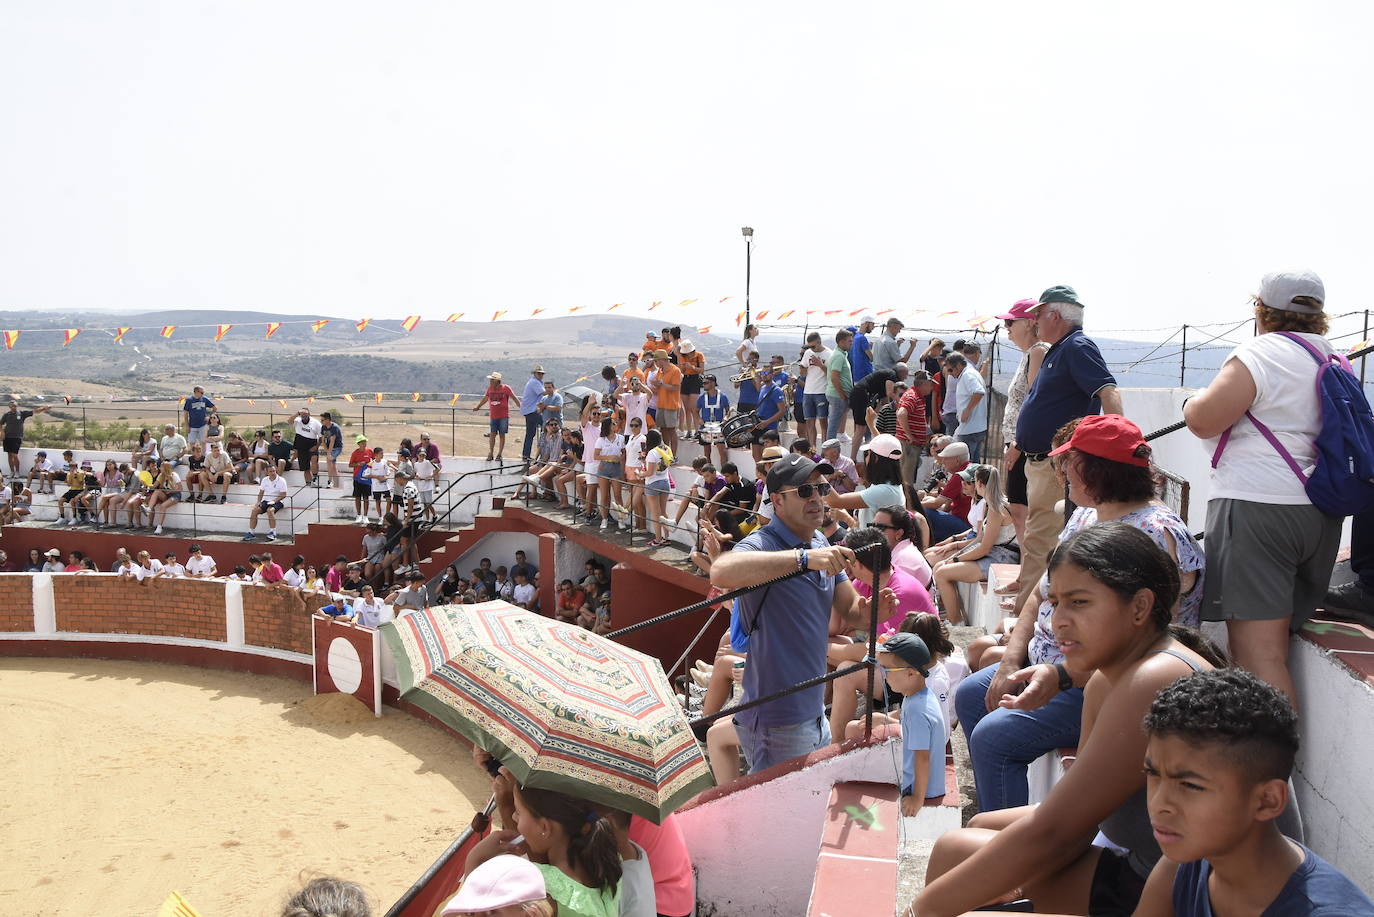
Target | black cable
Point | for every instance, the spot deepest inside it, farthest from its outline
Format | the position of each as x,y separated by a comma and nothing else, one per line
799,686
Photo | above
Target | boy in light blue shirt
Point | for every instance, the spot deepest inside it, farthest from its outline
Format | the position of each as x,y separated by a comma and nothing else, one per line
905,661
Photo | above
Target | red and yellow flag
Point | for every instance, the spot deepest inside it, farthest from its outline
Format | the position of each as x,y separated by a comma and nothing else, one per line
498,314
317,327
379,397
784,315
68,336
655,304
119,334
536,312
168,330
282,402
574,308
362,324
686,302
947,314
410,322
614,307
347,397
706,330
271,329
454,316
724,298
739,317
454,400
252,403
763,313
221,331
414,396
11,338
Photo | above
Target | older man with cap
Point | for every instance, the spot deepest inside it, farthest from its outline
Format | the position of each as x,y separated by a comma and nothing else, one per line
845,478
1270,551
888,353
789,622
1073,382
529,409
947,510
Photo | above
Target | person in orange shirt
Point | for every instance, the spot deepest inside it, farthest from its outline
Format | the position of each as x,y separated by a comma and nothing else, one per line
651,344
691,361
668,388
633,371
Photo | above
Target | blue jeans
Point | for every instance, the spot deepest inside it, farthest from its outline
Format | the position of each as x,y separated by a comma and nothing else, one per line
974,441
814,406
950,421
1002,744
769,745
943,524
532,421
834,421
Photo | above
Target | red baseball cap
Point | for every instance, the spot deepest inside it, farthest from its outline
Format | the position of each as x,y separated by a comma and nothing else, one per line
1022,308
1108,436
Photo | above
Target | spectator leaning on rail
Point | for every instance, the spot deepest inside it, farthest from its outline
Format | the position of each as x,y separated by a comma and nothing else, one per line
530,409
1269,550
1073,382
789,622
13,421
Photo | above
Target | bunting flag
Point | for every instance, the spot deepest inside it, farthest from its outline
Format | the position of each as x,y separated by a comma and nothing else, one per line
832,312
535,312
362,324
656,304
574,308
686,302
946,314
614,307
886,312
454,316
317,327
452,401
1359,346
410,322
739,317
348,397
10,338
119,334
856,312
498,315
379,397
414,396
221,331
252,403
167,330
68,336
706,330
310,400
724,298
763,313
784,315
282,402
271,329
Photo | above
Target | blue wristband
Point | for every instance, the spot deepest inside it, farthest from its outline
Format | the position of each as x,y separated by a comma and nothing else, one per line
802,559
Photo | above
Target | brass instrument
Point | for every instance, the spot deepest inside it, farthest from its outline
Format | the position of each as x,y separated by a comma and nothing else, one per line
752,374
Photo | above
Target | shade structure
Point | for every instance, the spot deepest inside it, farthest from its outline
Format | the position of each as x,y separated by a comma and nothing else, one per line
564,709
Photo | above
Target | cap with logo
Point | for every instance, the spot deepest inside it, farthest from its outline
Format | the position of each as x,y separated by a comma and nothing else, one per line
793,469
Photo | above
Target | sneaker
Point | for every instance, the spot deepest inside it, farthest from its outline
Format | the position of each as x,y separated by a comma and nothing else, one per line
605,524
1350,600
271,536
224,500
158,530
251,536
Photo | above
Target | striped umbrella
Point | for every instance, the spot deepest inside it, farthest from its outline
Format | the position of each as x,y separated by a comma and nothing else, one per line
564,709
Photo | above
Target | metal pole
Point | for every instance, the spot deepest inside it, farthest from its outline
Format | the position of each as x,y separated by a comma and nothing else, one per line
748,256
1364,337
872,657
453,430
1183,359
364,420
85,442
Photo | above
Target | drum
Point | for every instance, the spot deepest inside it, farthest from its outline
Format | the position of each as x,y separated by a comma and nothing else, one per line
710,433
739,429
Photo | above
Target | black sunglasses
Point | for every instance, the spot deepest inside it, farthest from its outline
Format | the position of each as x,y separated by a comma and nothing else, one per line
887,528
806,490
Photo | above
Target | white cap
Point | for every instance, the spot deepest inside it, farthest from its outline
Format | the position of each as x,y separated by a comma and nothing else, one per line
1278,290
888,445
955,450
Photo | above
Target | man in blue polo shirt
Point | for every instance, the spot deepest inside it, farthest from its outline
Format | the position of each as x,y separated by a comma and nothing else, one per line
1073,382
530,409
788,623
861,354
772,407
197,410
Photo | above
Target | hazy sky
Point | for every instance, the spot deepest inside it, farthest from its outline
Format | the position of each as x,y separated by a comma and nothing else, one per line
384,159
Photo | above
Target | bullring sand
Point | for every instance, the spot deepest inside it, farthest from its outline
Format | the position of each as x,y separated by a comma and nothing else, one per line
126,781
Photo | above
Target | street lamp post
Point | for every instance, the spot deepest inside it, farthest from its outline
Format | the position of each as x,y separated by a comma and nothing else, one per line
748,232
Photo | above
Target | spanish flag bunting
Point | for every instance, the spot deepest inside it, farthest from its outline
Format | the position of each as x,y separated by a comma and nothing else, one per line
739,317
535,312
410,322
252,403
68,336
706,330
831,312
11,337
1359,346
271,329
168,330
655,305
379,397
221,331
119,334
498,314
310,400
317,327
724,298
574,308
614,307
282,402
414,396
348,397
885,312
855,312
362,324
454,400
947,314
762,314
454,316
786,314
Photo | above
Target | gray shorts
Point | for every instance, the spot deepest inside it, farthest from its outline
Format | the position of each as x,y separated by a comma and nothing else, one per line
1267,561
666,419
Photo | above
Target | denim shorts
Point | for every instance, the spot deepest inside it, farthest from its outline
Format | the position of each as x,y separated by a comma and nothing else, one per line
769,745
657,487
500,425
610,471
813,406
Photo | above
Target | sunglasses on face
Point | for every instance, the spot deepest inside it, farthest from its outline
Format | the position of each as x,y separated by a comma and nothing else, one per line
887,528
806,490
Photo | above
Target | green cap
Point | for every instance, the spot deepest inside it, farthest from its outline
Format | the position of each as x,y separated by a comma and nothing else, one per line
360,439
1059,294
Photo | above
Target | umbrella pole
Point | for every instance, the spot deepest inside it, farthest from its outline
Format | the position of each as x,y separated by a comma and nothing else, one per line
872,655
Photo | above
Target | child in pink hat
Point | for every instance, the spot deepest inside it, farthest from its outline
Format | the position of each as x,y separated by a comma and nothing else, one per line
504,886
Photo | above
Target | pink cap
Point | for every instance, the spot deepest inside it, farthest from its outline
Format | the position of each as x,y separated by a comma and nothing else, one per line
1022,308
499,882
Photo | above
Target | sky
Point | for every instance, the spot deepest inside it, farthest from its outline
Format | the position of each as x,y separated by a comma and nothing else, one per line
430,157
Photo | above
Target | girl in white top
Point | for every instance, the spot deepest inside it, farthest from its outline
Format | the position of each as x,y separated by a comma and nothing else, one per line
1269,550
295,577
379,470
747,346
994,541
657,458
587,487
610,457
634,467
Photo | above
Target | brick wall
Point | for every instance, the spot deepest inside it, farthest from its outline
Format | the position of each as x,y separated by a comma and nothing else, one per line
278,618
16,602
163,608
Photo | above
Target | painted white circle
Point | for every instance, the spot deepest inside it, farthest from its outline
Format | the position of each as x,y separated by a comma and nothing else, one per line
345,668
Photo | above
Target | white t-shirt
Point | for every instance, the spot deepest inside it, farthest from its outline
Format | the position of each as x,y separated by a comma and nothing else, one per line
611,445
200,565
749,348
372,614
173,569
524,594
1286,402
970,384
635,405
293,579
944,678
310,429
141,573
424,475
637,886
273,490
380,472
654,469
815,375
633,446
590,434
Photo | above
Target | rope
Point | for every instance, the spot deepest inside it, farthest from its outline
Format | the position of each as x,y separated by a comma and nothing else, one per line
799,686
705,603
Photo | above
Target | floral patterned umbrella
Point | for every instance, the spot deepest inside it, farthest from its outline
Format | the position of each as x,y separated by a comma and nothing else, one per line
562,708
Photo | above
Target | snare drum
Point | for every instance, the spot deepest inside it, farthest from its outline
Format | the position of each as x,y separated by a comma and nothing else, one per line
739,429
710,433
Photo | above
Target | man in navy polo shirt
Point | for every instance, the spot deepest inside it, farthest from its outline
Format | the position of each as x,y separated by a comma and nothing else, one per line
530,409
772,407
789,622
196,410
1073,382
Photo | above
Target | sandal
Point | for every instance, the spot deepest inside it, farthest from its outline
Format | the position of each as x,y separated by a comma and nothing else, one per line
1009,589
